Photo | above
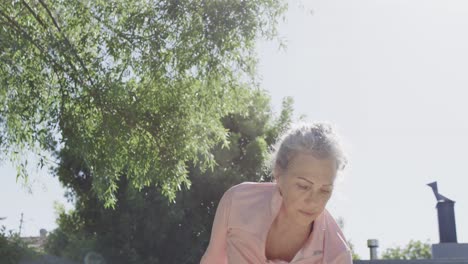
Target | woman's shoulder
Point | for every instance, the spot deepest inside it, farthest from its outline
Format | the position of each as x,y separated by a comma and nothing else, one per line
250,203
252,188
335,240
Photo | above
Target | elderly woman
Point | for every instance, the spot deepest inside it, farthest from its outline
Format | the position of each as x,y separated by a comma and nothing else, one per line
285,221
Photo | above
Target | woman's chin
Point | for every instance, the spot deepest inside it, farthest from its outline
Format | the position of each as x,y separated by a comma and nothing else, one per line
305,219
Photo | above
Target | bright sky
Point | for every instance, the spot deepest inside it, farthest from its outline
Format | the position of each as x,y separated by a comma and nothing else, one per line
34,199
391,76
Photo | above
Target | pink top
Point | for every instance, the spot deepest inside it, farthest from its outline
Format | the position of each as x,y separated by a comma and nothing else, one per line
242,222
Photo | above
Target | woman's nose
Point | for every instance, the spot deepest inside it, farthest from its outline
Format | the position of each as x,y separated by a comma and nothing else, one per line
311,197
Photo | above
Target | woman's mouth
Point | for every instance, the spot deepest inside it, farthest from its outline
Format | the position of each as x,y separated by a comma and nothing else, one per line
309,214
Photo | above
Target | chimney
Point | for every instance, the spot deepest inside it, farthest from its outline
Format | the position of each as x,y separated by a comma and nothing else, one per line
446,216
43,233
373,244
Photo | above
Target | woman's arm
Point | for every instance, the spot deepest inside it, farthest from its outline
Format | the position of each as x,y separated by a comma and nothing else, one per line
216,251
343,258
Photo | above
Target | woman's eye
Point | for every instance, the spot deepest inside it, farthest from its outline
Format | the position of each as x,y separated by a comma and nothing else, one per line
326,191
303,187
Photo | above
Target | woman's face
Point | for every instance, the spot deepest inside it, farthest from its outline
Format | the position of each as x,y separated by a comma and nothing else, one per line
306,186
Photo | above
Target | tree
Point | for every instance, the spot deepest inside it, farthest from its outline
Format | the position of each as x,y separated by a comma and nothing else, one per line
144,227
13,248
137,86
413,250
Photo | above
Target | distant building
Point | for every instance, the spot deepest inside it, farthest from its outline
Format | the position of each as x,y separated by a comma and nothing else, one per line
447,251
38,242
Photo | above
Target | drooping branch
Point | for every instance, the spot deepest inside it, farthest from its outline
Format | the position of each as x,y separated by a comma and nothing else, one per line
36,16
67,41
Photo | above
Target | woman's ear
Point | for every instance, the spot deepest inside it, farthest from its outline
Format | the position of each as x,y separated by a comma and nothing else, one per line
277,173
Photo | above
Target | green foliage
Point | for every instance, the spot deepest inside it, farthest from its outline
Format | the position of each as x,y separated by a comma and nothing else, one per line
413,250
69,246
136,86
10,252
145,227
13,249
353,253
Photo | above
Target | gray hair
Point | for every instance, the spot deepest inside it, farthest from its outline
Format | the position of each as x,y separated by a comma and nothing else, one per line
318,139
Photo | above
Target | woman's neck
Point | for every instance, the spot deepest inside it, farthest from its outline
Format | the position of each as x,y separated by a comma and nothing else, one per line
285,223
285,238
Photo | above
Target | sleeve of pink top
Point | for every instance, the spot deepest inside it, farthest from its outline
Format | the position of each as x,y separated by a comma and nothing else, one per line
216,251
343,258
